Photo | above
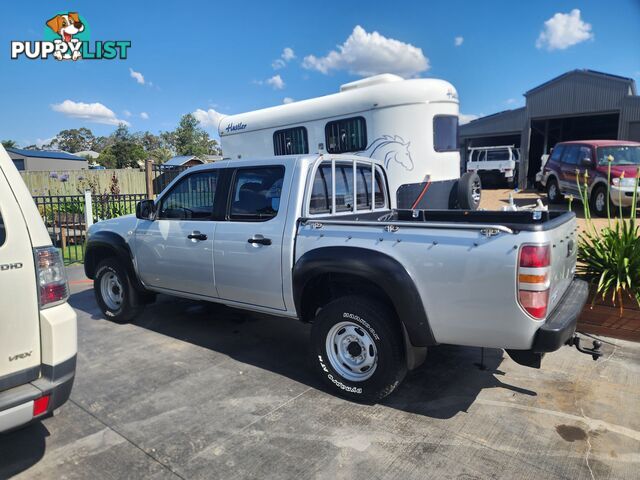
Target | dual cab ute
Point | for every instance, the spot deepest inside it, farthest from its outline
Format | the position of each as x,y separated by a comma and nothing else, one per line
315,237
37,325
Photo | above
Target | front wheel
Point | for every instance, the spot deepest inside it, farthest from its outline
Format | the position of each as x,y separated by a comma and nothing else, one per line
358,349
115,294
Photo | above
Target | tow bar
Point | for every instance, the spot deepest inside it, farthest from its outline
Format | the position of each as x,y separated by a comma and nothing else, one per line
594,352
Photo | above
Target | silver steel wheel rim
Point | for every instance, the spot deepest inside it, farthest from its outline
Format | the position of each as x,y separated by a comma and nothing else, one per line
600,201
475,191
552,191
351,351
111,291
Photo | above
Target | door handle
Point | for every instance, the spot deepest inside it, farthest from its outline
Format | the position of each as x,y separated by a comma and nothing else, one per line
196,235
259,239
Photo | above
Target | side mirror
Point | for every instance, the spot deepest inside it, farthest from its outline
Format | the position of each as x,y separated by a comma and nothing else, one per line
146,210
587,162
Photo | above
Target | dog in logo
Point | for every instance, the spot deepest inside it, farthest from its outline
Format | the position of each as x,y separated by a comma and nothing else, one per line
67,26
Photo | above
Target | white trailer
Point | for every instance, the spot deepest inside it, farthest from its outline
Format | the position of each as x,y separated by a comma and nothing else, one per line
410,125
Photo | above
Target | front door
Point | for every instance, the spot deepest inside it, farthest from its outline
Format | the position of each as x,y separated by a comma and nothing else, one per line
175,251
248,246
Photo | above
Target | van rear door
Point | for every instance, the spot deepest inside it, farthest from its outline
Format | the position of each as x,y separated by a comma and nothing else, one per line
19,312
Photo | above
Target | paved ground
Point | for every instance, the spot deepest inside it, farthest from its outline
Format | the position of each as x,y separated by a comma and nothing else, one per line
191,391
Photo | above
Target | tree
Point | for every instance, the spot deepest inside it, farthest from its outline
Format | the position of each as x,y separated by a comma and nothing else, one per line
9,144
73,140
124,151
190,139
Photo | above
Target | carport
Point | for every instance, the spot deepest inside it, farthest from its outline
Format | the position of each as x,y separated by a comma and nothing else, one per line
578,105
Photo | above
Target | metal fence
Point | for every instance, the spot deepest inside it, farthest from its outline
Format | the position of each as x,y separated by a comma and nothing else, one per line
163,175
66,217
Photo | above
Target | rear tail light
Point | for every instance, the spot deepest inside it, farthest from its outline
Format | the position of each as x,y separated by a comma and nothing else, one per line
52,278
533,279
40,405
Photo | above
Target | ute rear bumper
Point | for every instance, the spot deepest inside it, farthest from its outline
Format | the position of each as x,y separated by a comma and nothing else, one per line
559,327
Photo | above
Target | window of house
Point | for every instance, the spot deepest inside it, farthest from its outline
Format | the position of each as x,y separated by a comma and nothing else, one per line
19,163
290,141
256,193
191,198
445,133
346,135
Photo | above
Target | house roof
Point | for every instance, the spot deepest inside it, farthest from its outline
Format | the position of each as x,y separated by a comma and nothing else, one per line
59,155
181,160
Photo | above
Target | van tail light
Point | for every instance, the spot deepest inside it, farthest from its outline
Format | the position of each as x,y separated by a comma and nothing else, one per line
533,279
52,278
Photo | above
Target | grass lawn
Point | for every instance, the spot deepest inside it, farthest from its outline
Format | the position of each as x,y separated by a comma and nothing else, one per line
73,254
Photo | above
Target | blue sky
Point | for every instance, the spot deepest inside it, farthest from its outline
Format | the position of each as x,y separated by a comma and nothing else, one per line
219,56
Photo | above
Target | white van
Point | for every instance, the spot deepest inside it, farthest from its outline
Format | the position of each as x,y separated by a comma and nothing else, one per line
409,125
37,326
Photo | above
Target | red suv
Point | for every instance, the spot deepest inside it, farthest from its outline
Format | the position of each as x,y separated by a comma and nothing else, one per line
593,156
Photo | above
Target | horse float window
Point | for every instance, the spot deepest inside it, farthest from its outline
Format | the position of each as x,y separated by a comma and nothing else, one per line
346,135
291,141
445,133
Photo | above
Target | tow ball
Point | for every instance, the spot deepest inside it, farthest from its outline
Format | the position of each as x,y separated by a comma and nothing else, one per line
594,352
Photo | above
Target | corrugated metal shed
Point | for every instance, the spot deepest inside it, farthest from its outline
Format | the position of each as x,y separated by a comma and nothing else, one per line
578,92
507,122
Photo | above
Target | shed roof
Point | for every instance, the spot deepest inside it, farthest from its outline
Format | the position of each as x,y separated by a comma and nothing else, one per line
181,160
586,72
57,154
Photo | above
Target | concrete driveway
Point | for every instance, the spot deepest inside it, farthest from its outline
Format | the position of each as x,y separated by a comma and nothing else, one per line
196,391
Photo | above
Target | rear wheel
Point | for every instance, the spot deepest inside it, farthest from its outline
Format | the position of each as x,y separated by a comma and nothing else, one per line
469,191
115,294
599,199
358,349
553,191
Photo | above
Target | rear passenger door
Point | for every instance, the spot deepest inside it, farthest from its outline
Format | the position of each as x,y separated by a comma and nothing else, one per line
248,245
568,168
19,313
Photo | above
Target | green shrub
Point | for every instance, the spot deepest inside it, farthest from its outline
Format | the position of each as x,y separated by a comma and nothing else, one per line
610,258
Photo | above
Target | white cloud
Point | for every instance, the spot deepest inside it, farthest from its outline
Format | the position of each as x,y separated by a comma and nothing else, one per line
286,56
276,82
564,30
208,118
466,117
458,41
137,75
126,113
287,100
144,115
367,54
41,142
93,112
511,101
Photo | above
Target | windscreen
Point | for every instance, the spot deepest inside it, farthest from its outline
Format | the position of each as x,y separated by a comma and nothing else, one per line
620,155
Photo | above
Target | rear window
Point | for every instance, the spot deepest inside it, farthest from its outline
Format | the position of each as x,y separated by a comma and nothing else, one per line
497,155
3,233
571,155
445,133
557,153
256,193
321,194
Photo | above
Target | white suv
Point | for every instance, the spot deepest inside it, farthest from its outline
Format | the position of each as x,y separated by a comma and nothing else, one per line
38,342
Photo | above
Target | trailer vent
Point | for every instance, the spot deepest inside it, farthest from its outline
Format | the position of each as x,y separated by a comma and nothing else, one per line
369,81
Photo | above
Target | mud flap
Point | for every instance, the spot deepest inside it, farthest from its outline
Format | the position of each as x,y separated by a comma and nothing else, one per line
526,358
